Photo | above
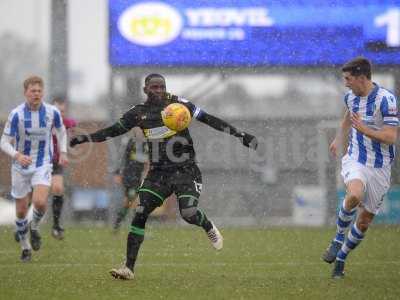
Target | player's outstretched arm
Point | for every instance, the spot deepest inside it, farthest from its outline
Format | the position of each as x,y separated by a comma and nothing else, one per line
248,140
100,135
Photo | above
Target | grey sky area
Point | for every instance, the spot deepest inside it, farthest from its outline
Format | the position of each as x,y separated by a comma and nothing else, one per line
29,21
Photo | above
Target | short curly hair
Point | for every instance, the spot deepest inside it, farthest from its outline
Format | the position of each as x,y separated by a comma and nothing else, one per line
151,76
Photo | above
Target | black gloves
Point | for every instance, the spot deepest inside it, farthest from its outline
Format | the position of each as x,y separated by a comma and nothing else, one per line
247,139
79,139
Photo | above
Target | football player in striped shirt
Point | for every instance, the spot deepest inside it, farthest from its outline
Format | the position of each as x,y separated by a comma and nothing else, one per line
27,139
370,127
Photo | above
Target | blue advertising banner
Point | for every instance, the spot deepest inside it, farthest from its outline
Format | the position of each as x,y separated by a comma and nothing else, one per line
252,33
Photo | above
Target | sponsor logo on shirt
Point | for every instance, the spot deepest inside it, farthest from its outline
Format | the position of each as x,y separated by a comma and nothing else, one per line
158,132
39,132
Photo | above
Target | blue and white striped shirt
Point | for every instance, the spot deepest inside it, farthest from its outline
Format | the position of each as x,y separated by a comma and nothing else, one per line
379,108
32,131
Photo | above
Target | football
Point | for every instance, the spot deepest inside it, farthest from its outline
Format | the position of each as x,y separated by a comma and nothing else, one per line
176,116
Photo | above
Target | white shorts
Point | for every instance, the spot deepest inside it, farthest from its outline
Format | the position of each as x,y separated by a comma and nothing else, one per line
376,182
23,181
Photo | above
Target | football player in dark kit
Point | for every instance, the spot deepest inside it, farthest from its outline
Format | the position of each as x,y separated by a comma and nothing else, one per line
173,168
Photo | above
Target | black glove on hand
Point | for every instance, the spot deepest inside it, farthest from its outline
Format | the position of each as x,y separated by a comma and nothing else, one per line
79,139
248,140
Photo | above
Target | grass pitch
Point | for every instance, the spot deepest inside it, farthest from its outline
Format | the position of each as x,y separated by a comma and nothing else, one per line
179,263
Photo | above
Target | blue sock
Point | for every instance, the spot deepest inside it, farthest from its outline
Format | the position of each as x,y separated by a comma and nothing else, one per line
343,222
22,230
354,238
22,226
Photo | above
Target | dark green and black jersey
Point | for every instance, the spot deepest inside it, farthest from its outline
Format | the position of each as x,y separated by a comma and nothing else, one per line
166,147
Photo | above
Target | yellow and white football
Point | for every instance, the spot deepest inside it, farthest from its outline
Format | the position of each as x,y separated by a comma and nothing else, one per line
176,116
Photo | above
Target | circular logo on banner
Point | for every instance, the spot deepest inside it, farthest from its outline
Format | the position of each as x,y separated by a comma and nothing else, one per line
150,24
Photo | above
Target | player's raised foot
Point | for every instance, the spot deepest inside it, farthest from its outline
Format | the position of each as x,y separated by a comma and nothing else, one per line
36,239
338,270
330,253
123,273
57,232
215,237
26,255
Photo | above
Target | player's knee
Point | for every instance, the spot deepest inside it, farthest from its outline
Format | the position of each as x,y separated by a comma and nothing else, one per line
40,206
57,190
189,214
353,199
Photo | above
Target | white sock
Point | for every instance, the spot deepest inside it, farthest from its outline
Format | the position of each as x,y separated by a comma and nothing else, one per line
37,216
22,230
24,242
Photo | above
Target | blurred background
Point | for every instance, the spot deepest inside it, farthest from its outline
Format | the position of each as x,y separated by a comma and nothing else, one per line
271,68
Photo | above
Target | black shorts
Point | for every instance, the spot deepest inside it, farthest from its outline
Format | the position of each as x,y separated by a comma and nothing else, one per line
182,180
57,169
